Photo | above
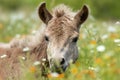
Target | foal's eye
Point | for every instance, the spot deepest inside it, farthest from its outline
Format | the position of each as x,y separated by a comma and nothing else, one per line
75,39
46,38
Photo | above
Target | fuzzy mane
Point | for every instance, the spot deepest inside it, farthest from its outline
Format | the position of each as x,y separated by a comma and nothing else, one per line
57,12
13,51
29,41
62,10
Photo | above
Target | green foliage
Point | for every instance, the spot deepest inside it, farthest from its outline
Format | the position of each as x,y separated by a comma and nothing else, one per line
98,48
106,8
99,43
103,9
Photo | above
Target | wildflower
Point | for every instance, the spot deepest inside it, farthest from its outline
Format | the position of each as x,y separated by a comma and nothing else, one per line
96,69
84,71
79,48
91,73
17,35
55,75
23,36
77,63
113,35
61,75
26,49
36,63
111,29
34,32
91,68
80,36
101,48
71,61
108,55
32,69
117,22
3,56
105,36
93,42
99,61
79,76
20,15
113,63
23,58
117,40
43,63
1,26
117,71
91,51
44,59
74,70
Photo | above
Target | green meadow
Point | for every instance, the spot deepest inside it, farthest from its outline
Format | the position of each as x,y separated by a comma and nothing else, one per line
99,40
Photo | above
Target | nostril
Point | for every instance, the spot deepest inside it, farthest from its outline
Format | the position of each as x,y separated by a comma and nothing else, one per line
62,61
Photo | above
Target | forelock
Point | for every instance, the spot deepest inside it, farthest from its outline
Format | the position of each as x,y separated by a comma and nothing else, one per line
62,10
61,25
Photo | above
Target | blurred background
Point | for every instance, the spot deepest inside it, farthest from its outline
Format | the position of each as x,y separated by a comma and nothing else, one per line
99,43
20,16
103,9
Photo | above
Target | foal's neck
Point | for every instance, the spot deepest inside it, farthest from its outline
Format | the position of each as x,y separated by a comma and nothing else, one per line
40,50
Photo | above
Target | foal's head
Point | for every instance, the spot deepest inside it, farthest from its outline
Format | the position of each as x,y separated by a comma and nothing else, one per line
61,34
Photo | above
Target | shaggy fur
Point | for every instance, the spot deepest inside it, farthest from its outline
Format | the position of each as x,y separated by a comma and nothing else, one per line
10,65
10,53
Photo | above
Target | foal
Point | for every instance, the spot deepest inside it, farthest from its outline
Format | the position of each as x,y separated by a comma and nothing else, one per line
57,43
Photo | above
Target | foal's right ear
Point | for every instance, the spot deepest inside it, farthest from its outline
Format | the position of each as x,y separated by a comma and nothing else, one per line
82,15
43,13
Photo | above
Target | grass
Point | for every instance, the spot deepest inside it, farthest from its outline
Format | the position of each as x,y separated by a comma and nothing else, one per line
99,48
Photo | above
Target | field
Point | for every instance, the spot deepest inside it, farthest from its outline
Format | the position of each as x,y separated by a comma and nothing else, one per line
99,47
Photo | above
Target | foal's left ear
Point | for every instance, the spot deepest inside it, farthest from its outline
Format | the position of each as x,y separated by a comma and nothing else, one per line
44,14
82,15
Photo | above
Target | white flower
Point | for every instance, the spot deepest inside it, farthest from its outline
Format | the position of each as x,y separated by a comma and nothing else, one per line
118,45
54,74
36,63
17,35
117,22
34,32
91,51
20,15
101,48
43,59
117,40
23,58
91,68
79,48
104,36
111,29
96,69
43,64
3,56
108,54
71,61
26,49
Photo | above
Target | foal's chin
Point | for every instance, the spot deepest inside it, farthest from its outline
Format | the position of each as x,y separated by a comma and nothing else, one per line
64,68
